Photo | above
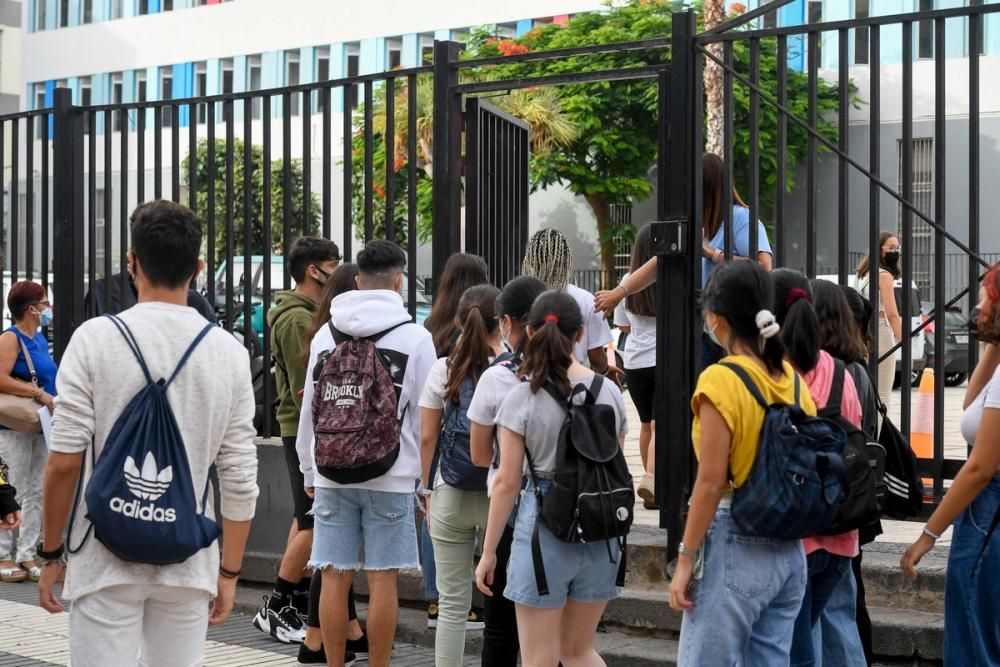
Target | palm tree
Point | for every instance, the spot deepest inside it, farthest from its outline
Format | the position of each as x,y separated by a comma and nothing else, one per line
714,112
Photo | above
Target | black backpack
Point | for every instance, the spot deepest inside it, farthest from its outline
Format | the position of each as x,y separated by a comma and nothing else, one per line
454,449
862,459
591,497
904,496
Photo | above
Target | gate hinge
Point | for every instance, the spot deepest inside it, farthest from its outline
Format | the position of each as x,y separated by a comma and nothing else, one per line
670,237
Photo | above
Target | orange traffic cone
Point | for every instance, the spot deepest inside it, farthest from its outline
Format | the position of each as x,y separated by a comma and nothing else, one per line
922,421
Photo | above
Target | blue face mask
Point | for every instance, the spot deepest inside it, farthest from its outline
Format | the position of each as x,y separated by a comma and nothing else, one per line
45,317
711,333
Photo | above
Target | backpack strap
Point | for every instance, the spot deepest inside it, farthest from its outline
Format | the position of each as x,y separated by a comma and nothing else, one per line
133,345
340,337
187,354
541,582
836,397
752,387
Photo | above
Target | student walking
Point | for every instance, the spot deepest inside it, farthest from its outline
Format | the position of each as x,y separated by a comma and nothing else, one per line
457,507
890,323
740,595
26,369
500,641
362,460
581,576
636,316
122,609
310,261
972,585
549,258
828,557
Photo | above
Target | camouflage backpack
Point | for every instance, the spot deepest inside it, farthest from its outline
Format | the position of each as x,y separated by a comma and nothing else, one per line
355,412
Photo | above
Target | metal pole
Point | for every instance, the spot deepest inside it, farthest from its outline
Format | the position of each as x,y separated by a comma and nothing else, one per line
447,157
69,233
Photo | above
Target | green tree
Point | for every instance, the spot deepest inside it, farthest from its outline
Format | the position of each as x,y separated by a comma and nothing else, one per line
299,226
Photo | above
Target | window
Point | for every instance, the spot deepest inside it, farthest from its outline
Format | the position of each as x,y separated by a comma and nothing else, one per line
117,93
255,84
40,14
815,15
978,41
292,79
771,19
167,93
39,104
167,6
85,92
200,89
861,11
227,75
63,13
922,173
140,85
88,11
117,9
395,59
322,74
925,31
353,67
143,7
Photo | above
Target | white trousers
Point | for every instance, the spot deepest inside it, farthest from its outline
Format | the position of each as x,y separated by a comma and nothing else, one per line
165,626
25,454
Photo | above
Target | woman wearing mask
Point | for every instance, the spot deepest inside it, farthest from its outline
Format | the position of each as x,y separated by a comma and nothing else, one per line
26,369
562,624
713,247
828,557
636,316
890,323
972,586
740,595
457,507
500,642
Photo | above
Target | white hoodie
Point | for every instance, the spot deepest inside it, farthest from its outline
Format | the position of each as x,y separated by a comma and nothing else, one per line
364,313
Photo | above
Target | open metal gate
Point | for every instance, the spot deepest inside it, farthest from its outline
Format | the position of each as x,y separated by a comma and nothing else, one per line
496,188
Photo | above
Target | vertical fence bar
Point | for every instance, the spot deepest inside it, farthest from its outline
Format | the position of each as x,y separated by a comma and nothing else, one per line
157,152
212,177
753,169
411,193
69,227
227,114
29,204
327,162
782,150
175,153
266,278
307,229
348,172
286,184
46,221
369,166
727,143
843,135
108,205
5,202
390,159
192,175
140,155
975,32
811,185
91,202
123,203
940,217
874,138
248,277
906,396
447,152
15,198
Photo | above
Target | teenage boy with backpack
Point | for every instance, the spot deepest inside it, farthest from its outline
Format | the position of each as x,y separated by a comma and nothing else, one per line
151,507
368,368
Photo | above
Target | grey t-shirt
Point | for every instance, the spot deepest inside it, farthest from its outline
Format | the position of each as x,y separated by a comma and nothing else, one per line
538,417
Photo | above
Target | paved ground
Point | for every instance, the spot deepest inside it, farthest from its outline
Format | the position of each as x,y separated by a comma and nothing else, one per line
895,531
31,637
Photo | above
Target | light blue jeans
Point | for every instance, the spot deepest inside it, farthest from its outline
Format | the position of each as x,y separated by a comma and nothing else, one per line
747,601
836,636
830,580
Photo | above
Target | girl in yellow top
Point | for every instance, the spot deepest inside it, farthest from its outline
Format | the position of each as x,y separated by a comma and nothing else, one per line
740,594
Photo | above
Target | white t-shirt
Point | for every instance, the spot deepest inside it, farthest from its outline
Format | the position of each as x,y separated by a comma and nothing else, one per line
640,346
989,398
596,332
493,387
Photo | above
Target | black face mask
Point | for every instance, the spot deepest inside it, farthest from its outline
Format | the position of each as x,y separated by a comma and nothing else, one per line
892,258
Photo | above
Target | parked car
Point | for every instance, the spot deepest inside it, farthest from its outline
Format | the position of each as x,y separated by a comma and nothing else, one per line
956,347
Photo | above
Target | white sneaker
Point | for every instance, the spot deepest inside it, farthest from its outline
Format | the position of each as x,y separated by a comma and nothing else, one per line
285,626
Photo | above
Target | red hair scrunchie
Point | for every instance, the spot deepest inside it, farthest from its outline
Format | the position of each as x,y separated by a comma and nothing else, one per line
795,295
551,319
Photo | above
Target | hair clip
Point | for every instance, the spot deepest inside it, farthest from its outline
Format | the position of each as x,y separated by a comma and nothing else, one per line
551,319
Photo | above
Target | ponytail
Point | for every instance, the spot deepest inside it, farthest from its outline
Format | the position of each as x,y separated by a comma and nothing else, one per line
478,323
797,317
555,320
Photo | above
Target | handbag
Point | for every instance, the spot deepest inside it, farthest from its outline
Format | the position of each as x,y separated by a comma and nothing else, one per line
20,413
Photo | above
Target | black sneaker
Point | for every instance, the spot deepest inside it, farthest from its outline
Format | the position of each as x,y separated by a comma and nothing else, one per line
284,626
475,620
307,657
358,647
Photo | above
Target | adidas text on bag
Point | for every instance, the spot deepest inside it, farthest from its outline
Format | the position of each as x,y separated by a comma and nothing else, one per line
591,496
355,412
140,498
797,481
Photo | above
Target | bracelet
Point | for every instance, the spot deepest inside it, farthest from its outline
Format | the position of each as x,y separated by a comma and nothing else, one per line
624,289
931,534
53,555
229,574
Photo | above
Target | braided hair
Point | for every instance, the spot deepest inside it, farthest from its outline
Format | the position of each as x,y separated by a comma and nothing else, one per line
548,258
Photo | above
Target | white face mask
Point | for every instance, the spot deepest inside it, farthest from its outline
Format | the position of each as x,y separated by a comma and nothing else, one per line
504,340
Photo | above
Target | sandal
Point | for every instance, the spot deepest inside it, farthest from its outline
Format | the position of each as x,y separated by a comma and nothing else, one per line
13,575
34,573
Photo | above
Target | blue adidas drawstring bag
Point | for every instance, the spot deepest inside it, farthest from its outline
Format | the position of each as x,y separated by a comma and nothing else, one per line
140,498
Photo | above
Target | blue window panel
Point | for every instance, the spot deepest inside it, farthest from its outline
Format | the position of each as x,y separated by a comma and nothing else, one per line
524,26
50,89
794,13
991,34
372,56
131,8
183,87
410,57
51,14
73,83
338,70
31,14
272,73
307,65
154,7
75,15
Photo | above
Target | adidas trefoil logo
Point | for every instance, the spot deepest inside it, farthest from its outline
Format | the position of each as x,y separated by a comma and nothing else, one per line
149,483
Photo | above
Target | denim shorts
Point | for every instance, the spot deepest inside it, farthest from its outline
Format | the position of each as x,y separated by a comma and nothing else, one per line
347,518
574,571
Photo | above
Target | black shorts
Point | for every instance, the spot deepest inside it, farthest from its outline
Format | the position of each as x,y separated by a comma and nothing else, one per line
642,385
303,503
